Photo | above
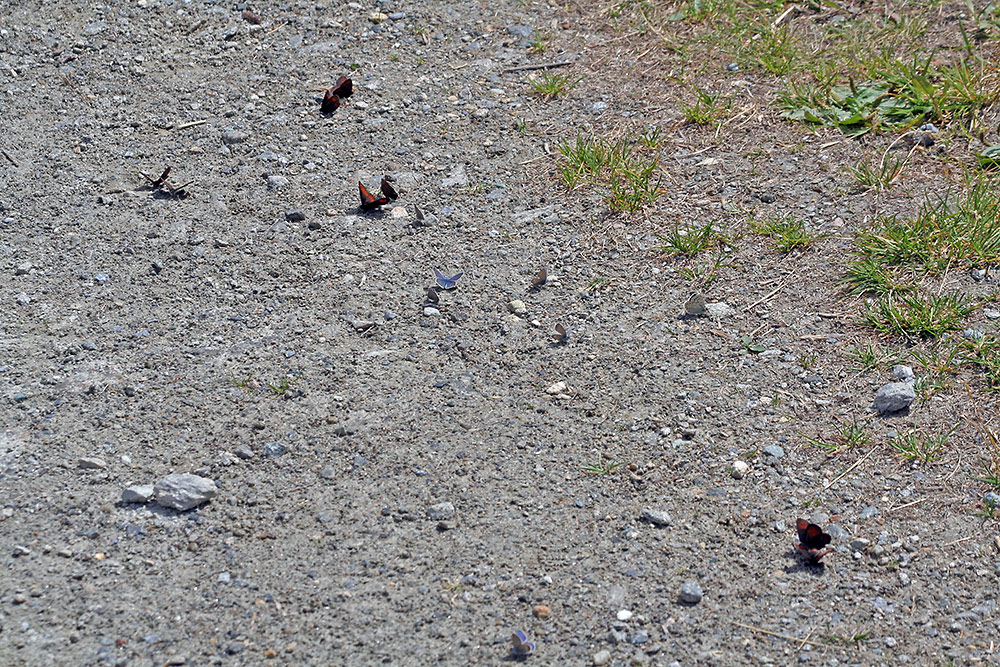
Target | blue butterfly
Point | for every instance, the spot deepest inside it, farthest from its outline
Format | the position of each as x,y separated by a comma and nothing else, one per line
522,647
445,282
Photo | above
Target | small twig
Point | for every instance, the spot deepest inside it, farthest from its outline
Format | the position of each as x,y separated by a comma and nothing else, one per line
961,539
773,634
525,68
855,465
765,297
784,15
915,502
12,160
191,124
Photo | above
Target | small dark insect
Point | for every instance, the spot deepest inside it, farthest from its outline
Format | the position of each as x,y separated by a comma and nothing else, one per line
369,201
540,278
812,541
250,17
561,336
432,295
388,190
161,184
340,90
156,182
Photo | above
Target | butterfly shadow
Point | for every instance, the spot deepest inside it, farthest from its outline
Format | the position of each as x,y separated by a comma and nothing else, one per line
803,565
374,214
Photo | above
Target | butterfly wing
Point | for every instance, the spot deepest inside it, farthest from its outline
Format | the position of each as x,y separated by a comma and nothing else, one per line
331,101
444,282
388,190
343,88
521,644
432,295
368,201
811,536
540,278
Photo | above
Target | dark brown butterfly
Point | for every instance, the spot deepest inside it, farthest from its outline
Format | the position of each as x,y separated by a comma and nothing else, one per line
369,201
540,278
341,90
432,295
157,182
561,336
812,541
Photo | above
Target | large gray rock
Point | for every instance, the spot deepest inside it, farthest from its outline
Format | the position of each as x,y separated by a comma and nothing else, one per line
183,491
894,397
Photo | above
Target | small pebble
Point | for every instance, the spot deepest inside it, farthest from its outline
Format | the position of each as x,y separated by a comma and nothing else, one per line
91,463
141,493
295,215
184,491
656,517
740,469
542,611
691,593
624,615
894,397
517,307
602,657
440,511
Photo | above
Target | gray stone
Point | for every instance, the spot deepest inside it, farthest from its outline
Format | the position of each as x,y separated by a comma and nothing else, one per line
440,511
641,637
837,531
244,452
768,198
141,493
992,499
902,373
273,450
602,657
598,107
524,31
774,451
295,215
329,472
691,593
230,137
719,309
894,397
868,511
656,517
183,491
457,178
91,463
23,268
276,181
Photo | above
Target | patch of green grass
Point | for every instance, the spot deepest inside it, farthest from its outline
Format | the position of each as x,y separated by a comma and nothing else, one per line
787,233
603,468
689,241
917,315
707,107
243,383
913,446
850,434
869,356
652,137
282,386
624,175
901,94
879,176
549,85
705,273
540,44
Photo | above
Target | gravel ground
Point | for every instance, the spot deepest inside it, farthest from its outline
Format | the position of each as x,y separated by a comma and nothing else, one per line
402,482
